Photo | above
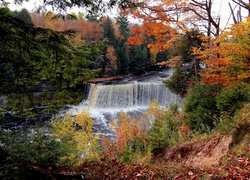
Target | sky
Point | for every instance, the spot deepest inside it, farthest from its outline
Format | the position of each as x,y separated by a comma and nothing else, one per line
219,6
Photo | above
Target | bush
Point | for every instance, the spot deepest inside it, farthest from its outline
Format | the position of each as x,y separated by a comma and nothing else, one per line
69,143
177,83
233,98
200,107
130,142
27,147
164,131
79,132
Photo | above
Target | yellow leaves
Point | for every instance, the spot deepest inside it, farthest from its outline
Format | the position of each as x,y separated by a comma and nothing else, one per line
79,130
154,110
227,58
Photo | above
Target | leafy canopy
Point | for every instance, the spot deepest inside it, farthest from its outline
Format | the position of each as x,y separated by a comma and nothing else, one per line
41,58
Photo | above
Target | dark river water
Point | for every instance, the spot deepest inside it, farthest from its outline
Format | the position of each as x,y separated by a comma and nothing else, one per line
106,100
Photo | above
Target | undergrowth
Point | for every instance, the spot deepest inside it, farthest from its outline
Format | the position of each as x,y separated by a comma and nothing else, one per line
131,153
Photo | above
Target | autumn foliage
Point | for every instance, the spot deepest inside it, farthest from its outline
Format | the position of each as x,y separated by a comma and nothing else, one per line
159,37
80,131
228,63
126,130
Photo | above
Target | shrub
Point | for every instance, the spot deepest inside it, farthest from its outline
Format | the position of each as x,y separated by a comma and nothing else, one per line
129,139
71,142
200,107
26,147
79,131
233,98
164,132
240,131
177,83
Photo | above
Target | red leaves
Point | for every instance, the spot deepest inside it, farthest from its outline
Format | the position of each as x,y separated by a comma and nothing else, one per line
237,167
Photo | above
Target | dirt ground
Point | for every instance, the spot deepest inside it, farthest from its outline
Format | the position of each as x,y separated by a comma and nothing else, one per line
202,152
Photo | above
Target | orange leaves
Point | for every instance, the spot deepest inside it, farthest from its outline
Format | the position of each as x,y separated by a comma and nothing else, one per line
157,35
111,67
228,62
137,37
125,130
175,61
159,29
86,31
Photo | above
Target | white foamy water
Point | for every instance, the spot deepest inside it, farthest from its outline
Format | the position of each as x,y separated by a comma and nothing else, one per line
131,95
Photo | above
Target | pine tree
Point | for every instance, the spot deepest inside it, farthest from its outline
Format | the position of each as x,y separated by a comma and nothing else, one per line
24,16
122,51
30,56
108,31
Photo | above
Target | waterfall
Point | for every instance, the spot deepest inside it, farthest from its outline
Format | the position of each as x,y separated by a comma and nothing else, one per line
130,95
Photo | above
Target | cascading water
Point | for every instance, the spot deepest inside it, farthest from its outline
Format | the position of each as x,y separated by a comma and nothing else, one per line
130,95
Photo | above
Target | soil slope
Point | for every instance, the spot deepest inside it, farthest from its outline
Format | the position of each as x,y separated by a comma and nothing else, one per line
202,152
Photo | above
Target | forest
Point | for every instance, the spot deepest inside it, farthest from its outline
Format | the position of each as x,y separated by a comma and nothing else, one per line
48,57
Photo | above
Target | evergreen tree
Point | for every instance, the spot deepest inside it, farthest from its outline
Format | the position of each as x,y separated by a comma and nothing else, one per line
109,32
123,57
123,23
188,65
29,56
139,58
24,16
94,17
162,56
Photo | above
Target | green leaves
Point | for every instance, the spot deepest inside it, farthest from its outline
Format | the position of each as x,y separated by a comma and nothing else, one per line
200,106
29,56
233,98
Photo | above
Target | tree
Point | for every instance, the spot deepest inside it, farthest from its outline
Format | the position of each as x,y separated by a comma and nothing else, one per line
122,49
80,132
111,66
204,11
187,65
200,106
24,16
232,65
243,4
90,6
139,58
159,28
30,56
37,19
109,31
157,35
122,22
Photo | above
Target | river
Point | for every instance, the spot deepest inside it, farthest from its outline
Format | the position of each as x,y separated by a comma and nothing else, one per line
131,95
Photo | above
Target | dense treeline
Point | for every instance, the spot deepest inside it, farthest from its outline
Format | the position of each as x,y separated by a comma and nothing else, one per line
33,56
60,55
119,57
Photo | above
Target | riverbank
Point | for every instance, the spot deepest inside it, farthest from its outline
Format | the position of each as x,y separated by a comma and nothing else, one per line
102,79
